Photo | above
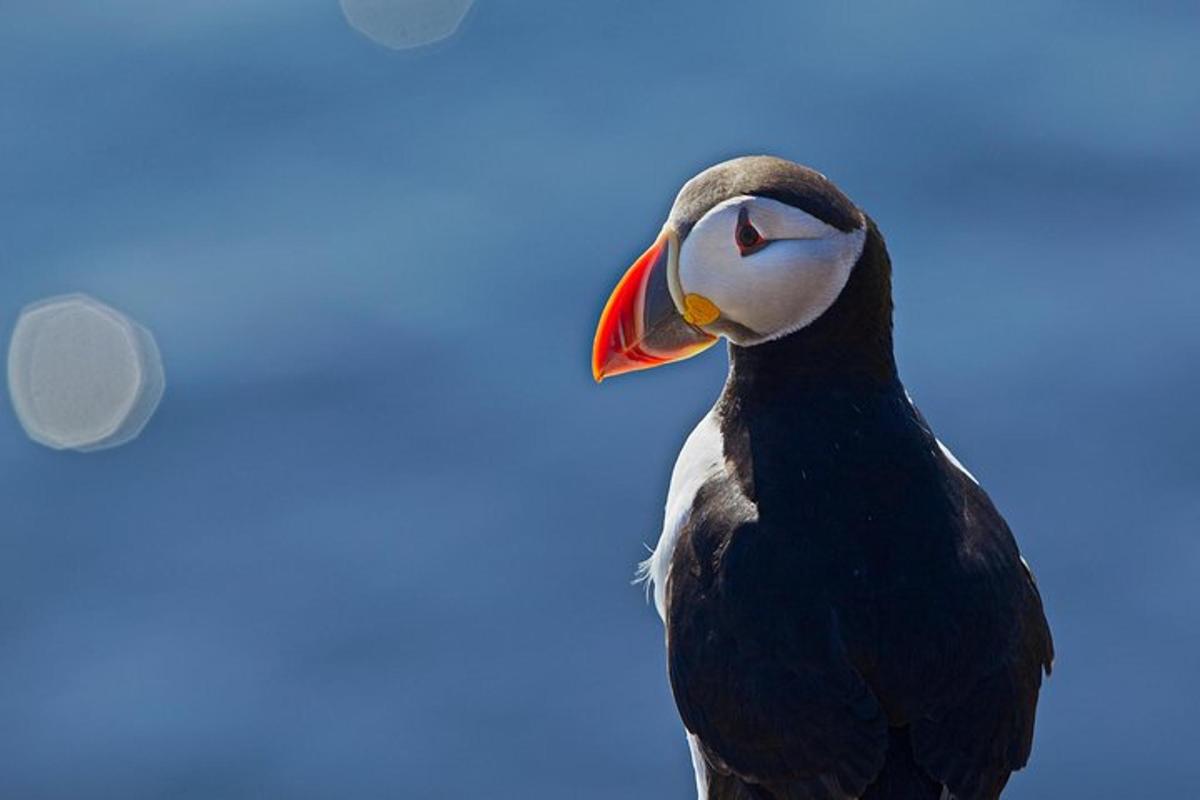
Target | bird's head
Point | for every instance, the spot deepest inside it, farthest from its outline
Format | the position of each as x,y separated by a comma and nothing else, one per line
754,249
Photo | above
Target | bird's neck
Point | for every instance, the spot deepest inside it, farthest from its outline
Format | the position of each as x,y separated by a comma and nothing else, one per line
798,447
800,365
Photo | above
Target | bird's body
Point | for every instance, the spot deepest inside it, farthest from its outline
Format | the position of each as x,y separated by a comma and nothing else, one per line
839,576
847,614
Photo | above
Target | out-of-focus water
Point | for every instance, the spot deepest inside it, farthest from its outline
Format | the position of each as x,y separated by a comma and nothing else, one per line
377,541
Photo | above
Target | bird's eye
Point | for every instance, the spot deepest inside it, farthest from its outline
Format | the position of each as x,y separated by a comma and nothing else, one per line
749,240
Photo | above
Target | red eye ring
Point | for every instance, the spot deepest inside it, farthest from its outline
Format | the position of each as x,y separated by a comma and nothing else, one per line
748,239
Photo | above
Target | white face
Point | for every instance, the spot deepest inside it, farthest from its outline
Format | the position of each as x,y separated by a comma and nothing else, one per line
766,267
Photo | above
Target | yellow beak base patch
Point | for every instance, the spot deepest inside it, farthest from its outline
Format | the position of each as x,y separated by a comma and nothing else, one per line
699,310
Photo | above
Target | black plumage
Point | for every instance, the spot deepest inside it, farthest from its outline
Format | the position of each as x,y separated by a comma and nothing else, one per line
847,613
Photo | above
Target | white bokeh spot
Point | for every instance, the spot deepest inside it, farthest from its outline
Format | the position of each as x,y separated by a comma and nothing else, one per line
82,375
401,24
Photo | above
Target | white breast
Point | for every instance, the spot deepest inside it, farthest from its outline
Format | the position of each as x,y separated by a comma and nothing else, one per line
701,459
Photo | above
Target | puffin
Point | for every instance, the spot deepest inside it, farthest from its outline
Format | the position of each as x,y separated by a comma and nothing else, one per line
846,613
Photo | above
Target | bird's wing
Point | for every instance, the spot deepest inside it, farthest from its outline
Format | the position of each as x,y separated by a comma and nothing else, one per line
975,724
777,705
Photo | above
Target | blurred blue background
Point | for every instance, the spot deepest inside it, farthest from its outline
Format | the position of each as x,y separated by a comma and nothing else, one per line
378,540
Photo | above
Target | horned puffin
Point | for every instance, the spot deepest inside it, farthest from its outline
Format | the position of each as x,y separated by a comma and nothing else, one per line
847,614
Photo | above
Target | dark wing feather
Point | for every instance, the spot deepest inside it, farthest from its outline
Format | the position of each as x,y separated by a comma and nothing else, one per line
977,727
772,698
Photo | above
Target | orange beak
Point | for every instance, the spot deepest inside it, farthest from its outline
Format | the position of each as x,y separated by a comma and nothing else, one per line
641,327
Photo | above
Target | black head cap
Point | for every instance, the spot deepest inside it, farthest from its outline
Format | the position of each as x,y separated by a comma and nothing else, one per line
764,176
